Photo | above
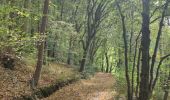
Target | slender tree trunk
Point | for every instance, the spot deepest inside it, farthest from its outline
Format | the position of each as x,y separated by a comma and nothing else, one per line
45,53
69,57
145,44
132,30
166,95
158,70
126,62
62,9
138,71
134,64
69,52
39,10
167,88
119,63
36,75
110,70
125,53
26,26
157,44
53,50
107,62
102,69
133,68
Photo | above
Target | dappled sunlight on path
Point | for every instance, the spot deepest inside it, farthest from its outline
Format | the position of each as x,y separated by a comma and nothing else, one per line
100,87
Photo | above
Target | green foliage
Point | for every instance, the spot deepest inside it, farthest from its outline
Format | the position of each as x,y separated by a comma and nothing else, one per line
67,28
88,72
121,81
13,36
59,38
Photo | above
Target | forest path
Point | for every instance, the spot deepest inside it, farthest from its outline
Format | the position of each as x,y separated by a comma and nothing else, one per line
99,87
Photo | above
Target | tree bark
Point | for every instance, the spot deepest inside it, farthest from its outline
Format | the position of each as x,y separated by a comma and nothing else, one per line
157,72
62,9
157,44
107,62
167,88
36,75
102,69
138,72
134,64
69,58
83,62
125,53
111,68
166,95
145,44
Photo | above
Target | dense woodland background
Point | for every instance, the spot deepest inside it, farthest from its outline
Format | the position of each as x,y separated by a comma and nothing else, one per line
128,38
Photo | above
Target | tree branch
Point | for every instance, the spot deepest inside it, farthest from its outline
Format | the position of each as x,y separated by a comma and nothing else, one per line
158,69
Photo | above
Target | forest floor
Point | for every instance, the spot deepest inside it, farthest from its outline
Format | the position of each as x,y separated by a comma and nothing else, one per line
15,83
99,87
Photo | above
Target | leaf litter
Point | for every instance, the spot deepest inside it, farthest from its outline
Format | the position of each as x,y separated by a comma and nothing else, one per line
99,87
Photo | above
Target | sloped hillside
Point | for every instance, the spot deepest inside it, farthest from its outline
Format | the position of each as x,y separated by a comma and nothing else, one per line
16,83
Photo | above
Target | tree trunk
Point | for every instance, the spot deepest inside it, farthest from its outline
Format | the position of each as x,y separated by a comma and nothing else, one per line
132,30
102,69
133,68
125,53
107,62
69,58
167,88
134,64
157,44
36,75
111,68
138,71
26,26
62,9
145,43
166,95
83,61
45,53
96,11
69,52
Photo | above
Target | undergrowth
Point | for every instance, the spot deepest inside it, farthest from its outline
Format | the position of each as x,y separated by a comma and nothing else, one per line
120,82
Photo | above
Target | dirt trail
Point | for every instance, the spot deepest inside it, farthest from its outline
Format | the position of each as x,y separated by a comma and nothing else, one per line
100,87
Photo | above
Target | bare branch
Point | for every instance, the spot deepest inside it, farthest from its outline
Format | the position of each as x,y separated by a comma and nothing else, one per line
157,8
158,69
157,43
